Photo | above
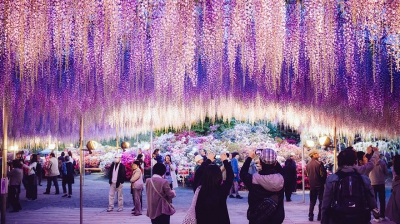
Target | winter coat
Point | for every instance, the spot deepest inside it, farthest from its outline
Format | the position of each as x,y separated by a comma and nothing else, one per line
290,176
378,173
54,171
329,193
316,173
235,168
137,179
69,177
263,184
121,174
393,205
213,210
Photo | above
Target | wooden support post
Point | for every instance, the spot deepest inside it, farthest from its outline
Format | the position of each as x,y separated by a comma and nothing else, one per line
4,162
334,150
81,171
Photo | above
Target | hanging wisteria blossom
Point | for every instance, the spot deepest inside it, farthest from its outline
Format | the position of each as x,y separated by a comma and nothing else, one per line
139,65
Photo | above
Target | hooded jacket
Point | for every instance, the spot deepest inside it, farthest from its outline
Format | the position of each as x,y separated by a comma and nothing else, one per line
264,184
378,173
393,205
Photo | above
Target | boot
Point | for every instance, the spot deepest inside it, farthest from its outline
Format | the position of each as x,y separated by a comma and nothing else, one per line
311,218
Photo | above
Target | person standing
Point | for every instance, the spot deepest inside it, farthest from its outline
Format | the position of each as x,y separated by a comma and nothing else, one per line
67,177
137,188
39,170
223,170
290,176
268,183
343,189
292,156
116,179
31,188
317,176
393,206
159,195
52,174
61,159
366,165
15,176
378,177
235,167
211,205
170,174
72,159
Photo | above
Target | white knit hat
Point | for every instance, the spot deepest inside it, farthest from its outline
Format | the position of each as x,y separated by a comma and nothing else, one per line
198,158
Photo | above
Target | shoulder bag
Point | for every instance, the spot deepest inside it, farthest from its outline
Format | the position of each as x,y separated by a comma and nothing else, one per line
167,208
190,217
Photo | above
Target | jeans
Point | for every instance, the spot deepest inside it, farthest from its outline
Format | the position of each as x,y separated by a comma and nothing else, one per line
64,186
111,195
31,187
137,202
314,194
55,182
380,189
162,219
13,196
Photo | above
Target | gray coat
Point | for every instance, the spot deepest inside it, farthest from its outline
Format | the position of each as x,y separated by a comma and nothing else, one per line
328,193
378,173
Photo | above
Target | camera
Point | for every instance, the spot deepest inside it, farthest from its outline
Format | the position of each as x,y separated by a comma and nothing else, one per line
258,152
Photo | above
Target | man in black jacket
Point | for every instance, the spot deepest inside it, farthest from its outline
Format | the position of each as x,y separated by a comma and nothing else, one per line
116,179
267,183
316,176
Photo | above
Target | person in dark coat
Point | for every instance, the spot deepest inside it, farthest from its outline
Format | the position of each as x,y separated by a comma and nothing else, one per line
68,176
290,176
211,205
267,183
116,179
316,176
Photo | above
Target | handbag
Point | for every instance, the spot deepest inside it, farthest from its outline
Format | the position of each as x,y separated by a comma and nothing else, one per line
167,208
190,217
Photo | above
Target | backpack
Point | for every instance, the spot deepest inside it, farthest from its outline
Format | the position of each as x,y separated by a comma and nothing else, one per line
349,202
259,213
48,166
64,168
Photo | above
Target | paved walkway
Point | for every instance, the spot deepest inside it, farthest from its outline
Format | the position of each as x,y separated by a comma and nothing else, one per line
50,209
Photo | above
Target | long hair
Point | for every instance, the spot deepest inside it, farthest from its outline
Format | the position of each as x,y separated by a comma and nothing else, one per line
34,158
209,192
168,157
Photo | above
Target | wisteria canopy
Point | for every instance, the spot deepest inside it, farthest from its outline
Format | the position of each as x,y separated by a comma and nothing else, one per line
145,64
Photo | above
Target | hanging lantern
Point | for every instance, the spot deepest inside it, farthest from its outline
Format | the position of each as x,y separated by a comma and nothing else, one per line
124,145
324,141
91,145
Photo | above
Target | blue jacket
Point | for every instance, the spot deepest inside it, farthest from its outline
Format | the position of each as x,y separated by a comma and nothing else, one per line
235,168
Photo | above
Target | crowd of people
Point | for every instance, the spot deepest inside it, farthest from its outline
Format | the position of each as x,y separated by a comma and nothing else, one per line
347,196
29,174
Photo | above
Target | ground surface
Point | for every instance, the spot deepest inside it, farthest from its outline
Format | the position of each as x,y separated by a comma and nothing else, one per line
49,209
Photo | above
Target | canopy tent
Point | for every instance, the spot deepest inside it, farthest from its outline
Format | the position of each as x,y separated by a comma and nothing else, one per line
141,65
